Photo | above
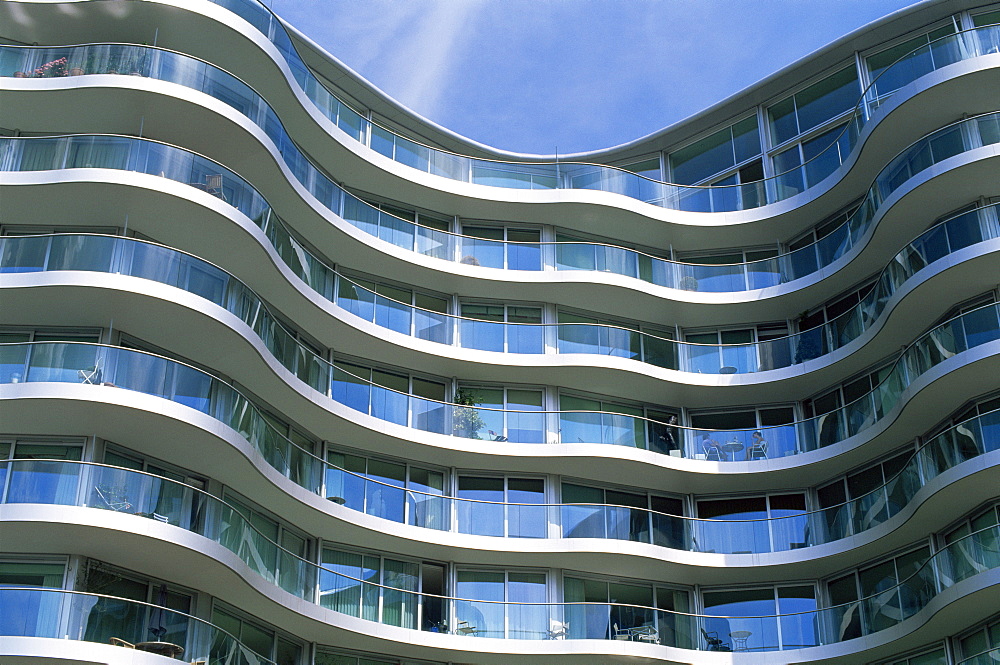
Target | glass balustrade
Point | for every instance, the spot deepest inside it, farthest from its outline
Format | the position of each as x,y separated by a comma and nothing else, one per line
110,489
188,71
561,175
143,259
991,657
122,490
97,364
91,617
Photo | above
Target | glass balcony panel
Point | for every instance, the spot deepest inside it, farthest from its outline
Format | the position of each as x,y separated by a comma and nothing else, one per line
576,256
66,363
482,335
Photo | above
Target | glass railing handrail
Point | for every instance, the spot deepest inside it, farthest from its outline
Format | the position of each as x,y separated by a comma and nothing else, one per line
939,571
692,518
987,657
553,511
832,334
210,643
779,265
275,28
71,498
882,397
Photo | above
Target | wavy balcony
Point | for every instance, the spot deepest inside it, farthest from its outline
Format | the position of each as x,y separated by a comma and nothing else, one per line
528,255
96,364
91,617
100,486
568,175
332,586
142,259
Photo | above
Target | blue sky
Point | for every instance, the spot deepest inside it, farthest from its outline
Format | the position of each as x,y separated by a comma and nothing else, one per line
543,76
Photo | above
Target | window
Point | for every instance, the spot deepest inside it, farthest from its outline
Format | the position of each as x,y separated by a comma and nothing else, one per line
499,506
132,622
797,115
270,547
384,394
290,452
875,494
602,609
31,614
48,362
706,355
421,232
372,587
583,333
735,150
821,154
734,270
984,638
593,420
512,612
833,325
919,55
814,105
259,638
326,656
762,630
819,247
379,488
501,247
25,480
484,327
935,657
888,603
845,410
748,525
730,436
970,541
406,311
161,495
507,414
595,512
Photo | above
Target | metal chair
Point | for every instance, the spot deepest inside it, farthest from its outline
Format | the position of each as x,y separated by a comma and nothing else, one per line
647,634
714,453
558,629
757,450
91,375
114,498
713,641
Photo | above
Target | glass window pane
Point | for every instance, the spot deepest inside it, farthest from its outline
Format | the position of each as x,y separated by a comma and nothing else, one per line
827,98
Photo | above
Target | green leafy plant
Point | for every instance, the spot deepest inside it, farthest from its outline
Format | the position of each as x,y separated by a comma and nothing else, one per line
466,421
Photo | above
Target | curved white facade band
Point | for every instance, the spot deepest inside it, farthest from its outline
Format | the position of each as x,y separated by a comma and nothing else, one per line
273,391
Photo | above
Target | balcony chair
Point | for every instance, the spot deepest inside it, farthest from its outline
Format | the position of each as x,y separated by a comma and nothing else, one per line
114,498
497,437
713,641
757,450
714,453
647,634
558,630
119,642
621,633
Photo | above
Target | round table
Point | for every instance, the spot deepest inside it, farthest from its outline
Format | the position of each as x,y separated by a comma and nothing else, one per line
740,639
732,447
161,648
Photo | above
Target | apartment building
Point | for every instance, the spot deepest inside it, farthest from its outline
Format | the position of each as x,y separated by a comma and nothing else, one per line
291,375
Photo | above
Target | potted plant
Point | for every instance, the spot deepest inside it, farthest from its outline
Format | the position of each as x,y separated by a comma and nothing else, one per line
688,283
466,421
